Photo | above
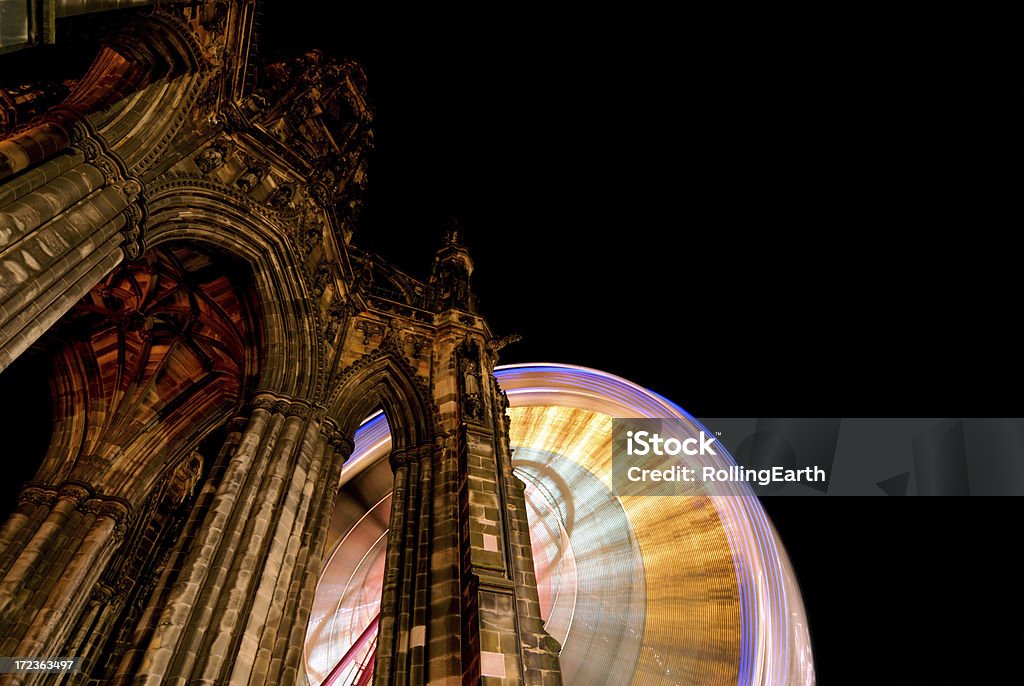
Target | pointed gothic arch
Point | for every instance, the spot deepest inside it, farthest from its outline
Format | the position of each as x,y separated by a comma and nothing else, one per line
203,213
384,379
158,355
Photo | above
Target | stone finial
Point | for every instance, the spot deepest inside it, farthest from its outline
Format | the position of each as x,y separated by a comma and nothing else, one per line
449,280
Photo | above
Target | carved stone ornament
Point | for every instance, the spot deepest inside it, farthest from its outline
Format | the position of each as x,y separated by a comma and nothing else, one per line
472,402
335,317
394,336
102,507
369,330
90,148
281,197
214,15
322,278
131,188
78,493
312,237
101,593
237,425
37,495
418,342
212,157
264,404
133,217
253,176
341,443
300,410
426,451
399,458
498,344
115,510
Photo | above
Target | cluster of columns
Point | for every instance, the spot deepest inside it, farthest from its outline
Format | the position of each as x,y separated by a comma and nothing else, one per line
237,594
422,575
64,225
70,210
232,602
52,551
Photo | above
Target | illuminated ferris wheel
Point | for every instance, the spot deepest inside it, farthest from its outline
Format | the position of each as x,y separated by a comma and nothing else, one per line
637,590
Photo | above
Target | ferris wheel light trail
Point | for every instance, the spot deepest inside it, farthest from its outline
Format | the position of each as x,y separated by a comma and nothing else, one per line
638,589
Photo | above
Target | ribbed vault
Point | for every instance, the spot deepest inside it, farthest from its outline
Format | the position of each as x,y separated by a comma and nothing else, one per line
155,356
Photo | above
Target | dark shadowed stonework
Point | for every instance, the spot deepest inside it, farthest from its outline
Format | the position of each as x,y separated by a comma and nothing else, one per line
176,243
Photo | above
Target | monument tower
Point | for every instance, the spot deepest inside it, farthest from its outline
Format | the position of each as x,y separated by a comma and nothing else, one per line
176,241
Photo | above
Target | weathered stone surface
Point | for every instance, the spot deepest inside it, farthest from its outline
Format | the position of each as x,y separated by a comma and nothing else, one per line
188,241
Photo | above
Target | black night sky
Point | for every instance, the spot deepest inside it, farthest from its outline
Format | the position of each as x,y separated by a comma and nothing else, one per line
753,216
747,221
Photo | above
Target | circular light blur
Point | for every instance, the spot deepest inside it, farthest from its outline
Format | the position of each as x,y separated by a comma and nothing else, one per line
643,590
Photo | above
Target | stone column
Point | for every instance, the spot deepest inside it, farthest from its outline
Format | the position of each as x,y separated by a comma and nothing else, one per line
505,626
24,149
402,633
91,637
52,567
459,602
286,659
387,628
69,208
127,62
245,582
539,650
418,667
63,226
193,530
34,503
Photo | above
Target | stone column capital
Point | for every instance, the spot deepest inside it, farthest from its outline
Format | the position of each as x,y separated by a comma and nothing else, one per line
425,451
37,494
264,403
282,403
101,593
328,425
298,408
406,456
236,424
341,443
108,507
99,153
77,492
399,458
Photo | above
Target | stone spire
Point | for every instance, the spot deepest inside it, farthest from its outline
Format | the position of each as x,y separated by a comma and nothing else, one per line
452,270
